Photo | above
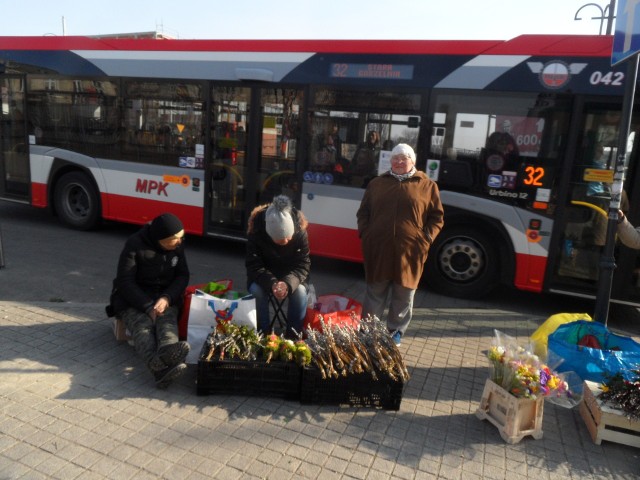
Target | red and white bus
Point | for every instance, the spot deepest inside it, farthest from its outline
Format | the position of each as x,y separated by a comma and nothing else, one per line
520,136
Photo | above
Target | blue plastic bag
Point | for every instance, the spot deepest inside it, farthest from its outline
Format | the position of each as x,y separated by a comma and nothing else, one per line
618,354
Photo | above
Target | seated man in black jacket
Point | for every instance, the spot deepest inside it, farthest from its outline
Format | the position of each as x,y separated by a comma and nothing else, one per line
147,295
278,261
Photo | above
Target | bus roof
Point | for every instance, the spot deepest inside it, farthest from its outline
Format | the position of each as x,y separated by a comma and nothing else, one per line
535,45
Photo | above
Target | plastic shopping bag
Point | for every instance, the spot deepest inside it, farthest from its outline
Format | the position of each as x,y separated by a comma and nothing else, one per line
593,352
206,311
540,337
217,288
333,310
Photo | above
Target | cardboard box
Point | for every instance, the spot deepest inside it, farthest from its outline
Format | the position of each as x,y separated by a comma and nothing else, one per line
120,331
606,423
514,417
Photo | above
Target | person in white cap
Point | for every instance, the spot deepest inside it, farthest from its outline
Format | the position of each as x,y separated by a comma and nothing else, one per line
399,218
278,261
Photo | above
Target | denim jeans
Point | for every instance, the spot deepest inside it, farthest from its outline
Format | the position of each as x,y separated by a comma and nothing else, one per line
296,309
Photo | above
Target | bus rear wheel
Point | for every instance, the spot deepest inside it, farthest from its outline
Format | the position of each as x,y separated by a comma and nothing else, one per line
462,263
76,201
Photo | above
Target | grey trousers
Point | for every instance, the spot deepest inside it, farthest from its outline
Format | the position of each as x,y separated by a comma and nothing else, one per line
400,308
149,336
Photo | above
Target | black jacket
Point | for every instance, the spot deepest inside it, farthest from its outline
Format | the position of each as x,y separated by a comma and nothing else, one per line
147,272
267,262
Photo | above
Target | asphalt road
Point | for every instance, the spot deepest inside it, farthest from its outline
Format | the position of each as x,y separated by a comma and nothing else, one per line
46,262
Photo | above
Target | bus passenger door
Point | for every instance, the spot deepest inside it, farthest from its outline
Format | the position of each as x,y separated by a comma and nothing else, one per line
14,150
277,171
226,171
582,227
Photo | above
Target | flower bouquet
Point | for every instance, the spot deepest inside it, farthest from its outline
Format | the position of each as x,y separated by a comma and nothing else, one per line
521,373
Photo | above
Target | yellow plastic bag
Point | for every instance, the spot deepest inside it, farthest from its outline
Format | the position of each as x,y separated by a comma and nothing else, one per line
540,337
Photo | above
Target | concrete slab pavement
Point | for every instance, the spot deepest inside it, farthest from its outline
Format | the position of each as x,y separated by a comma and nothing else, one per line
75,403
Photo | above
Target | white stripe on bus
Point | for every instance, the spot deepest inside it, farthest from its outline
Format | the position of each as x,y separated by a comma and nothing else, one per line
168,56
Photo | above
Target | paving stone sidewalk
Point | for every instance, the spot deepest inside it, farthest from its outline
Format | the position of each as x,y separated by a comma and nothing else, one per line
77,404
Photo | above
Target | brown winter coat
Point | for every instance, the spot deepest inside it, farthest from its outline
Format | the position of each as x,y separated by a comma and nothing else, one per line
397,223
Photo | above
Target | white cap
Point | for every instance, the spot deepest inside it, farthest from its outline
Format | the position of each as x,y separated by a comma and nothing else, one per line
404,149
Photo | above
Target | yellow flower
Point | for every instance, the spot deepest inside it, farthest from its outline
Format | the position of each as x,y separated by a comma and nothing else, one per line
553,383
496,354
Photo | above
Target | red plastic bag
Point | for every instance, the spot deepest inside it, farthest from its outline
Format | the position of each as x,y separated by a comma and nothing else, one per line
333,310
590,341
183,321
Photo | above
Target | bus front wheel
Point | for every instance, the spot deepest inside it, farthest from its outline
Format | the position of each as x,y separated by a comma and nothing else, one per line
76,201
462,263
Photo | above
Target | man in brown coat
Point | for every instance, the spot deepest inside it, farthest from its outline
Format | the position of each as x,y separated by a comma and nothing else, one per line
399,218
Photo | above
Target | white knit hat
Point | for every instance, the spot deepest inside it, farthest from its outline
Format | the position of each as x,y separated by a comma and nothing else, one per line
279,223
404,149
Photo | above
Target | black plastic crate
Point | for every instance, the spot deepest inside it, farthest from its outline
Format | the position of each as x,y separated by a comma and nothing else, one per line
356,390
253,378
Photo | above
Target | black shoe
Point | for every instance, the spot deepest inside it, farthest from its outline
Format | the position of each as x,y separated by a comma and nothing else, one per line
156,364
169,374
174,354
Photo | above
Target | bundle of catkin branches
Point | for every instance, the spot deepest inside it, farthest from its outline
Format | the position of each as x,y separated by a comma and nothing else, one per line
341,350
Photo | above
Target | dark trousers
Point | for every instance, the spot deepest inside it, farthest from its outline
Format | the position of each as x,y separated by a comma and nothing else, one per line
149,336
400,308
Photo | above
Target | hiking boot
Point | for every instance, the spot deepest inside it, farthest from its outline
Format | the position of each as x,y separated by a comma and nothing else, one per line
168,375
174,354
156,364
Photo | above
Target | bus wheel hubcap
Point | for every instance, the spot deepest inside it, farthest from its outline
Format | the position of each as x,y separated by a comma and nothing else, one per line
462,260
77,202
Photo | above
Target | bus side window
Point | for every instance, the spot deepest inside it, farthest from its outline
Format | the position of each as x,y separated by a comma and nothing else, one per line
364,164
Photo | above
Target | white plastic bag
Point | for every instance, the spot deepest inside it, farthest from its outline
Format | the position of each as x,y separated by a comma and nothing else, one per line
206,310
311,296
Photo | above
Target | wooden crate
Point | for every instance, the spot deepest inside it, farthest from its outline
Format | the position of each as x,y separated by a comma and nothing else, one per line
606,423
514,417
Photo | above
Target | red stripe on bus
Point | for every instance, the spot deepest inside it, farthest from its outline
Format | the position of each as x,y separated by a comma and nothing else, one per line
535,45
140,210
555,46
335,242
530,272
460,47
39,194
344,244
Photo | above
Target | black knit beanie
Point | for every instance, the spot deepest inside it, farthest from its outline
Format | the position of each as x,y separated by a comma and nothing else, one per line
164,226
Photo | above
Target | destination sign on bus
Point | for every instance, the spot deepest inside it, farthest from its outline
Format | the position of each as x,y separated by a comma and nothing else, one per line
371,70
